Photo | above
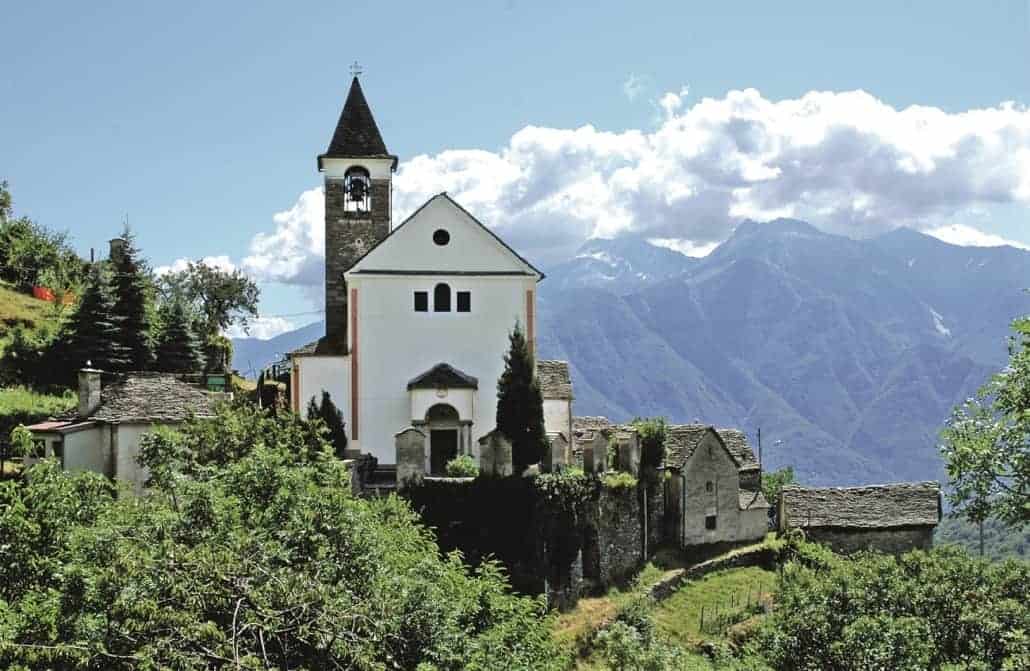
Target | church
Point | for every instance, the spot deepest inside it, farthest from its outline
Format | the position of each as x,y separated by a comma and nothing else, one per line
417,314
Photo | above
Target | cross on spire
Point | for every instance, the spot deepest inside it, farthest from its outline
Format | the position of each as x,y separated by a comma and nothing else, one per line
355,69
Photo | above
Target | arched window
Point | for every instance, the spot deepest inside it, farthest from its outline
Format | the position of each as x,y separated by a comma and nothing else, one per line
357,186
442,298
709,487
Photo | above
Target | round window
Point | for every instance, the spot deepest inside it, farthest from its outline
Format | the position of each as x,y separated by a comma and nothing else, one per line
441,237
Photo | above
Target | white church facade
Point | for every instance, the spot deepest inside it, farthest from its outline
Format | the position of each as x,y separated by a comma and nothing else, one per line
418,314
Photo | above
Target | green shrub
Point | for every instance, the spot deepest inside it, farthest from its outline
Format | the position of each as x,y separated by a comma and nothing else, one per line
924,610
619,480
652,441
462,466
245,549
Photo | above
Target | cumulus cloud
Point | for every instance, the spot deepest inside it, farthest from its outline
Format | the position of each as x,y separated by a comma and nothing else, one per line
844,161
262,328
967,236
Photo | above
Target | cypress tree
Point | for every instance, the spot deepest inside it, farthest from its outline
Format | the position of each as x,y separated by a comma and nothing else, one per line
130,304
178,350
333,418
93,330
520,405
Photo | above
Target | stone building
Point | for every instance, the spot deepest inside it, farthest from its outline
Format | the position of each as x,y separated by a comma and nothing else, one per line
713,492
890,518
103,435
556,388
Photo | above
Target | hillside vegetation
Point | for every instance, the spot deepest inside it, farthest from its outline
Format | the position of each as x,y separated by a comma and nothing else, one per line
19,309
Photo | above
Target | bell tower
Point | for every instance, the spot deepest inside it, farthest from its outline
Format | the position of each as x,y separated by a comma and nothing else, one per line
358,172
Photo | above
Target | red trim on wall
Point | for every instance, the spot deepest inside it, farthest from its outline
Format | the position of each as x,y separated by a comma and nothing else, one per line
295,385
354,364
530,331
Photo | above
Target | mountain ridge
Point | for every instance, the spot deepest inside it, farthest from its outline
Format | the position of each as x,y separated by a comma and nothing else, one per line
849,354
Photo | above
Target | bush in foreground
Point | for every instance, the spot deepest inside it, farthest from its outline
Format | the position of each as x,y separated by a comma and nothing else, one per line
260,559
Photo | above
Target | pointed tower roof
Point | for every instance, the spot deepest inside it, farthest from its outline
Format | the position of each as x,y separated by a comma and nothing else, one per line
356,134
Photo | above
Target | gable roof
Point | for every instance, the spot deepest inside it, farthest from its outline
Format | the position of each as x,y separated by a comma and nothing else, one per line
530,269
872,507
555,382
682,439
152,397
444,375
356,134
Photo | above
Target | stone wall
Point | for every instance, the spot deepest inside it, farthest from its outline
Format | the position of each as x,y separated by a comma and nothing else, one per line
615,550
348,235
890,541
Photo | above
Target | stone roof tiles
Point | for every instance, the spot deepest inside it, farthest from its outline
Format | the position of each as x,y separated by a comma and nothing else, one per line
752,500
871,507
682,439
356,134
444,375
555,382
153,397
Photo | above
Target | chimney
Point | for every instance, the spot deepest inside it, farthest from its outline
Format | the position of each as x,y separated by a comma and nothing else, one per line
89,391
117,246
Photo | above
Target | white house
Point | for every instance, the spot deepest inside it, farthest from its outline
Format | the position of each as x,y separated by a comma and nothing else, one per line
103,435
418,314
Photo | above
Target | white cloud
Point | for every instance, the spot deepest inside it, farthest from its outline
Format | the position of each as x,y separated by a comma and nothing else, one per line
221,262
634,86
262,328
685,247
967,236
844,161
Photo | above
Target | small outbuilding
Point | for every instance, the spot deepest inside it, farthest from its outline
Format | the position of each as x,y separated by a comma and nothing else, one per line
713,493
892,518
103,435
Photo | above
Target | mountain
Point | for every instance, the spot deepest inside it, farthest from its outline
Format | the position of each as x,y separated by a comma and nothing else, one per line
250,355
848,354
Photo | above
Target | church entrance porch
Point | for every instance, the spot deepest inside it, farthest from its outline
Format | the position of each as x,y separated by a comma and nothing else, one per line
443,446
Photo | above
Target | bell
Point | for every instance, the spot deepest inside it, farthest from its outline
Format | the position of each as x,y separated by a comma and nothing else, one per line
357,190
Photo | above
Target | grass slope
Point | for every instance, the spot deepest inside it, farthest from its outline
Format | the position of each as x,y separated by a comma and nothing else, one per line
19,309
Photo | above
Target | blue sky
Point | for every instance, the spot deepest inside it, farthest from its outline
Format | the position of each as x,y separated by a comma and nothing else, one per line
201,122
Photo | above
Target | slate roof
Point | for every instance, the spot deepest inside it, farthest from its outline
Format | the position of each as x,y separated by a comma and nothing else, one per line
555,382
152,397
682,439
752,500
591,423
444,375
324,346
903,504
356,134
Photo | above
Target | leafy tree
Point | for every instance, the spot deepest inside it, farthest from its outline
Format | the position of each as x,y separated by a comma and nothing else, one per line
772,484
178,349
520,405
30,253
923,610
652,441
218,298
332,417
132,296
986,443
92,334
247,553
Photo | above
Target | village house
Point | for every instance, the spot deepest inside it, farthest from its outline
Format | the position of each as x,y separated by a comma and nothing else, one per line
892,518
103,435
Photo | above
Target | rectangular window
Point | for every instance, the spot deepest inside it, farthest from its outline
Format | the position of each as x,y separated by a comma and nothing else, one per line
464,301
710,522
38,448
421,301
59,453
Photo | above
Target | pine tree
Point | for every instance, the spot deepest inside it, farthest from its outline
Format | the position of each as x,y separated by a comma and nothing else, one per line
178,350
92,334
333,418
130,303
520,405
